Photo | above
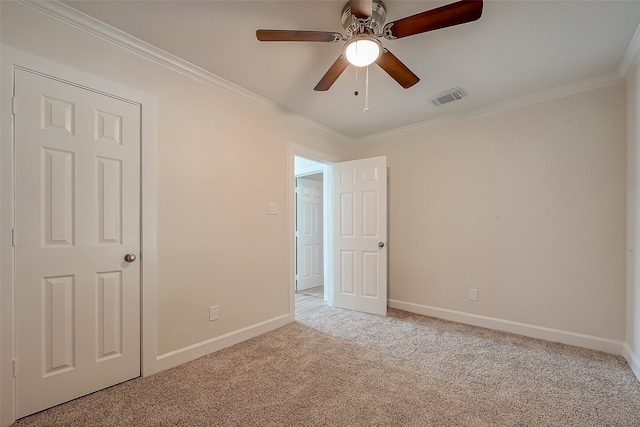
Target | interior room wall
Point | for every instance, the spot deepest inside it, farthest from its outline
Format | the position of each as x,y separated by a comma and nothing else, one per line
632,348
220,161
526,206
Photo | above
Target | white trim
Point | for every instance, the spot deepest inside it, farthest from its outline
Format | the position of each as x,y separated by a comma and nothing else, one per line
106,32
631,56
632,359
499,107
12,58
6,249
565,337
195,351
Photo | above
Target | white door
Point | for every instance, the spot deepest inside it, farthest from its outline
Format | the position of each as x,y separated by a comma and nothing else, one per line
360,236
77,300
309,233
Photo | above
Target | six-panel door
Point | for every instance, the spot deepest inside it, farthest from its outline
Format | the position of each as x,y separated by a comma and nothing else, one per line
77,215
309,245
360,235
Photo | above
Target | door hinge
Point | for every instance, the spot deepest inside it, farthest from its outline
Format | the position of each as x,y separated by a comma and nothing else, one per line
13,105
13,237
15,368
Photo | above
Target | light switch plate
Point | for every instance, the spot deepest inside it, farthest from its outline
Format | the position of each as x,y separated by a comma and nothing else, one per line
273,208
213,313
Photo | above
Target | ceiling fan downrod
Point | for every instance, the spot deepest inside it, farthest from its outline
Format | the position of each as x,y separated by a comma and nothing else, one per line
366,92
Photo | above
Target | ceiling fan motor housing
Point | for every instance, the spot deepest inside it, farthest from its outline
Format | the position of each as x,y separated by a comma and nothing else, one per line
373,25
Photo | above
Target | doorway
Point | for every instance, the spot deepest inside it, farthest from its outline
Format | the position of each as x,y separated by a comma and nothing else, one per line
354,230
311,288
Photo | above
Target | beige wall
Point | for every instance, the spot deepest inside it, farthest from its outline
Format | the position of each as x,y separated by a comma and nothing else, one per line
220,160
527,206
633,226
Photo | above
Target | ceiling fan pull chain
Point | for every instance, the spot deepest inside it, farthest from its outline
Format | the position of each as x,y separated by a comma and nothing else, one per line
366,92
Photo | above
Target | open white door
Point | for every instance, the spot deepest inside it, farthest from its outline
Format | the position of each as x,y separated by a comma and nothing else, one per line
360,235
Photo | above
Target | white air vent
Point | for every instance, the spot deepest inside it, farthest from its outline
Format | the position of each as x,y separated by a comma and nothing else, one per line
448,96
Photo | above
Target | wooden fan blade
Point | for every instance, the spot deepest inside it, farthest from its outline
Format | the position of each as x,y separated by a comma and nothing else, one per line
397,70
361,8
445,16
297,36
332,74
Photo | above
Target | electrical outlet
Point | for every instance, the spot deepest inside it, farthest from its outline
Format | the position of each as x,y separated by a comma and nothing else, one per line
473,294
213,313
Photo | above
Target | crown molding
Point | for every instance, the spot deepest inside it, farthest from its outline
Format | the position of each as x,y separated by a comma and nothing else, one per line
79,20
106,32
573,88
631,56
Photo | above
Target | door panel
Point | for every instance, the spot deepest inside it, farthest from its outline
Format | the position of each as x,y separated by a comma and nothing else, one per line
109,191
360,203
77,214
109,311
59,312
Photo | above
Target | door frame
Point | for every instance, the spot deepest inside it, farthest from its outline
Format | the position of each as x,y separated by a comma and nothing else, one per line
327,231
11,60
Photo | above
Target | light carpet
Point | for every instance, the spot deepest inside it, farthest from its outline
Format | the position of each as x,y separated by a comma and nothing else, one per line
343,368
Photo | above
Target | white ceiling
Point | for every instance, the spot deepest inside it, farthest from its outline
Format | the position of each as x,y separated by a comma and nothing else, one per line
516,48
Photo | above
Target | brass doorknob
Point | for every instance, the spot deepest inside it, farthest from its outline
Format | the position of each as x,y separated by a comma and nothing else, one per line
130,257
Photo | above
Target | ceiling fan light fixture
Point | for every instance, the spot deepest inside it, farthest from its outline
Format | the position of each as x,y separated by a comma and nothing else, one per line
362,50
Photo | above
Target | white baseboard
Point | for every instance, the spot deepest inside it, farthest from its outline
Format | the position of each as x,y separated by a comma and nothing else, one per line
633,360
555,335
195,351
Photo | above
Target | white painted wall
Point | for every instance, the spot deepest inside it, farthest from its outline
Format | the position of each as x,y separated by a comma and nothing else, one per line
220,160
527,206
632,347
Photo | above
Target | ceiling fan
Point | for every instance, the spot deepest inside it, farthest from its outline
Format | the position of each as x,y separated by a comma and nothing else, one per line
363,23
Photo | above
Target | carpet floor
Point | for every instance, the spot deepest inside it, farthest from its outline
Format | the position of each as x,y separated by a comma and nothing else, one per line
337,367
